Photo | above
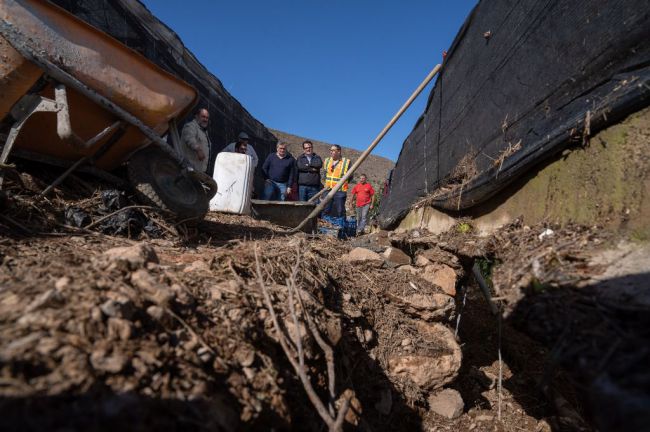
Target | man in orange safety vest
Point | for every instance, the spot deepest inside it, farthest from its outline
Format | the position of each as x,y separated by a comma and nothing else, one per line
335,168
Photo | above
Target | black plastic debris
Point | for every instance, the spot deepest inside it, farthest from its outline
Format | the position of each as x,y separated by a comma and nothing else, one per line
77,217
152,229
128,223
114,199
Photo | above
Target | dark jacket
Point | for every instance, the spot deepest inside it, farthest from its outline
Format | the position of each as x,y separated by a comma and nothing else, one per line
309,172
280,170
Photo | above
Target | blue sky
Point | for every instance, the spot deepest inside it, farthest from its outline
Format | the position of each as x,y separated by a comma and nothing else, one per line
333,70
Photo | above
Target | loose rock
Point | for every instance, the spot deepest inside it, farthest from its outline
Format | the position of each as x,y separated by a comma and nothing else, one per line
379,239
204,355
395,257
119,329
484,418
430,372
421,261
438,255
447,403
198,265
217,291
364,256
62,283
245,356
408,268
50,298
156,312
354,412
151,289
118,308
430,307
112,363
443,276
129,257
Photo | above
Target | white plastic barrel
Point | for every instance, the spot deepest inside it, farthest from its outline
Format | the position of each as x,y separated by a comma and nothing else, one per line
233,173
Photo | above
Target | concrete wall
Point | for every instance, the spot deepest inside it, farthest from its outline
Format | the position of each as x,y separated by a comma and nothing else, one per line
605,183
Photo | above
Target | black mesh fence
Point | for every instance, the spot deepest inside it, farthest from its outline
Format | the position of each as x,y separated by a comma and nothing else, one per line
130,22
523,80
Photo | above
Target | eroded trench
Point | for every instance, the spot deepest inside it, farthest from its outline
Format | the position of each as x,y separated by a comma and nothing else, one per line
213,327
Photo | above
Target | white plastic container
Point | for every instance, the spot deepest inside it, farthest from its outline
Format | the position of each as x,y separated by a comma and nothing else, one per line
233,173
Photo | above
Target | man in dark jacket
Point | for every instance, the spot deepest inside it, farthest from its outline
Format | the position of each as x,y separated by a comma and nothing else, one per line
309,165
280,172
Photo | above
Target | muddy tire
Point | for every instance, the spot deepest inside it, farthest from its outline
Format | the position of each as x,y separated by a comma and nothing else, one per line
158,181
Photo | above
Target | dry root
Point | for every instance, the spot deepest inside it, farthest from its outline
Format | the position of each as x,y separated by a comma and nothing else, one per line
292,347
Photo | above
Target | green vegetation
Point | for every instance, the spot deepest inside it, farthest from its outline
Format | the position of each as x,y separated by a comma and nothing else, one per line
486,267
539,287
640,235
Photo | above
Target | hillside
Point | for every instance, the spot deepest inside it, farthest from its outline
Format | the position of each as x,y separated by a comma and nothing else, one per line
375,167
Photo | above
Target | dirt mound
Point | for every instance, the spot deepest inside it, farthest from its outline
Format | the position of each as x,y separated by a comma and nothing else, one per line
229,324
175,327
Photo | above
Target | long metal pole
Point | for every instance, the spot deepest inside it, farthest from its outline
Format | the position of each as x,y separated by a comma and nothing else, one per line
365,154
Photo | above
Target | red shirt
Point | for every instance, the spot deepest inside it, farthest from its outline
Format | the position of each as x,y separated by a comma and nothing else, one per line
364,193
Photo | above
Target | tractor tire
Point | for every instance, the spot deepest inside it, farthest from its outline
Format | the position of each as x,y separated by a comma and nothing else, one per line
159,181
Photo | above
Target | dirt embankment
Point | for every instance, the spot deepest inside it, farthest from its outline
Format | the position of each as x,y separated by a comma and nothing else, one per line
142,323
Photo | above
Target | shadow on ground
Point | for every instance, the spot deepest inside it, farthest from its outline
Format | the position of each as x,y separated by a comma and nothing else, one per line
599,340
104,410
355,370
578,357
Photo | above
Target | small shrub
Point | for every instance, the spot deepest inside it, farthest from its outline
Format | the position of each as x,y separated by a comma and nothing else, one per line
464,228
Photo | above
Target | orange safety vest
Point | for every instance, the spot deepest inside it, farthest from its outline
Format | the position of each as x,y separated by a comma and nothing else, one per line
334,171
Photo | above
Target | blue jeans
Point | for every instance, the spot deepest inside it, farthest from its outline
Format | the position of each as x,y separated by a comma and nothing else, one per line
274,190
336,207
306,192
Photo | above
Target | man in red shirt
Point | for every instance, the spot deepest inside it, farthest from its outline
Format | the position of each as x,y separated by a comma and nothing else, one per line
364,192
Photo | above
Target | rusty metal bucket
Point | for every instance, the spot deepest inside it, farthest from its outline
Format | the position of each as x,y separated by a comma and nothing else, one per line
285,213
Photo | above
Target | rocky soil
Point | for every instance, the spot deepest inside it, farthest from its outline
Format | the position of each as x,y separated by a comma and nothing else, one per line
140,322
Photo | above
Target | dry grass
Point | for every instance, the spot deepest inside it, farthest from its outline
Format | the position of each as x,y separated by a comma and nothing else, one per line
462,174
505,153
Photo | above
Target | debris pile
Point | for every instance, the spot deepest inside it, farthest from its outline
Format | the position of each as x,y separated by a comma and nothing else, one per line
225,325
177,330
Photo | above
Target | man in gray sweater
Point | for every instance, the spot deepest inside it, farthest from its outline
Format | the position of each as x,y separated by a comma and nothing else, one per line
195,142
